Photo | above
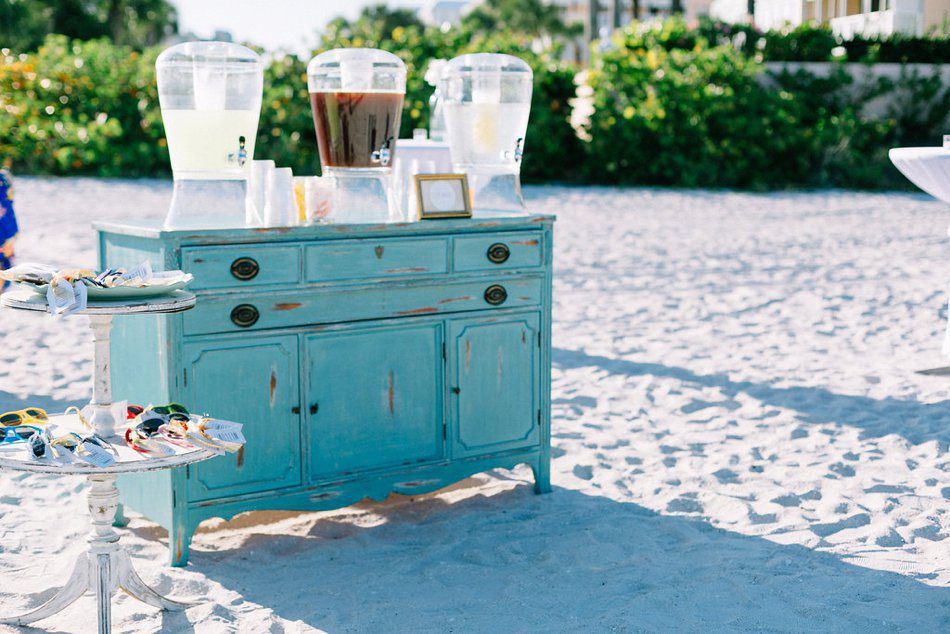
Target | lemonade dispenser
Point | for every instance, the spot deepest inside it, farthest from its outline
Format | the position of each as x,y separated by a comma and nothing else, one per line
210,94
487,101
356,96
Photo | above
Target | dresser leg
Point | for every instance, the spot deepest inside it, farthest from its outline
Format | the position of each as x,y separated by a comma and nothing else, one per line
542,475
179,538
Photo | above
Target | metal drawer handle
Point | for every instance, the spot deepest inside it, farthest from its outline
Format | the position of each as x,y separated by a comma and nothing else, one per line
245,315
245,269
496,295
499,253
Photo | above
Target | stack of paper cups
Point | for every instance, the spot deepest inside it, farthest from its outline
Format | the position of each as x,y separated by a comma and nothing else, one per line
257,192
280,208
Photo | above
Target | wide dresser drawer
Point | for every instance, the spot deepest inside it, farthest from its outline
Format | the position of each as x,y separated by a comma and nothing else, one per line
354,259
242,265
255,311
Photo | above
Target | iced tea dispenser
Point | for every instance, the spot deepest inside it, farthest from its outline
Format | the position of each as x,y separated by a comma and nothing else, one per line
356,96
487,98
210,94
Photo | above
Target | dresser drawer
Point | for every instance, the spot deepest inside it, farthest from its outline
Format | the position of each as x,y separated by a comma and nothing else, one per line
497,251
242,265
354,259
300,308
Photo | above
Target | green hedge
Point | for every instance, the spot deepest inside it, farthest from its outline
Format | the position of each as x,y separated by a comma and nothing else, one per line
672,108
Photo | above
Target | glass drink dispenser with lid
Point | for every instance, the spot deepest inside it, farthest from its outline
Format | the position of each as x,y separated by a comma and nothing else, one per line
210,95
356,95
487,98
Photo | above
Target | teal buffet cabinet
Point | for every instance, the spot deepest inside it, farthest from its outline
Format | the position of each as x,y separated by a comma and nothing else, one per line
362,360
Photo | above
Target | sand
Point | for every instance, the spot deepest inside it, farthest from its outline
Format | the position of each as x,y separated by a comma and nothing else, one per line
740,440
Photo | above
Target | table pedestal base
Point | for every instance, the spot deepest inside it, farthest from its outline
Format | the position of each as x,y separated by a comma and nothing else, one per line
103,569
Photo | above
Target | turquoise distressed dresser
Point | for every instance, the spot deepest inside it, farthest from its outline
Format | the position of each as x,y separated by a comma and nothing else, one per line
362,359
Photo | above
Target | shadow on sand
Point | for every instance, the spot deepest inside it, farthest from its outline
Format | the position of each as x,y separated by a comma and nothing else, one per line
915,421
10,402
561,562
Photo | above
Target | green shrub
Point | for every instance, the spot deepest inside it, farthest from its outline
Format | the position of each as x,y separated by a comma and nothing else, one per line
688,117
81,108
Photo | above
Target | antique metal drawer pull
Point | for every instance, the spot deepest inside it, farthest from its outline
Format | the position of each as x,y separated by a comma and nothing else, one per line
499,253
245,315
245,269
496,295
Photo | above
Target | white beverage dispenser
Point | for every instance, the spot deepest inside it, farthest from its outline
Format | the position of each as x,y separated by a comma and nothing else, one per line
210,95
487,99
356,96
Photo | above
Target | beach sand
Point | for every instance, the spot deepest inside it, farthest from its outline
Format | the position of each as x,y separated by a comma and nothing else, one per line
740,441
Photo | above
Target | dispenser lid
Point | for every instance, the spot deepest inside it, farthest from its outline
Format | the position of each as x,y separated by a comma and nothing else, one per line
487,64
228,55
356,70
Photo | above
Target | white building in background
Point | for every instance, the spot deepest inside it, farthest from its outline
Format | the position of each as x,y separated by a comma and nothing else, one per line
445,12
846,17
610,13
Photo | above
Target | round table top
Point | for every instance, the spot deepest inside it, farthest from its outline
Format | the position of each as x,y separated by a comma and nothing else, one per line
926,167
175,302
14,455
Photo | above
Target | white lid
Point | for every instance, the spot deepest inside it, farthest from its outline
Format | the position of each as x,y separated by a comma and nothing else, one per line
209,76
486,63
356,70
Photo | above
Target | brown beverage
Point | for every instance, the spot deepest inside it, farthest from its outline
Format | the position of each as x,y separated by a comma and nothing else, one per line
352,126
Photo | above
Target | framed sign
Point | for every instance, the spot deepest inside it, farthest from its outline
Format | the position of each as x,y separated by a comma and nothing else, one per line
442,196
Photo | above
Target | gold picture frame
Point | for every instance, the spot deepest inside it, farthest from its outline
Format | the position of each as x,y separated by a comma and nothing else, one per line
453,201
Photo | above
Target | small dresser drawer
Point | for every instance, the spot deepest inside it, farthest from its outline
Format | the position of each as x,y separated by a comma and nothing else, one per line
498,251
288,309
242,265
354,259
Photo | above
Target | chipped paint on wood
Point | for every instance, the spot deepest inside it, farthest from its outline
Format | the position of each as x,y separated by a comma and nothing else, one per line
529,243
524,338
455,299
240,457
418,269
468,354
418,311
287,306
500,372
391,393
273,385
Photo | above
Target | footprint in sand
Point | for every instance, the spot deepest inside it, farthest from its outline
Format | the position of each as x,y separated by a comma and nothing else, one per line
766,518
855,521
842,469
584,472
726,476
684,505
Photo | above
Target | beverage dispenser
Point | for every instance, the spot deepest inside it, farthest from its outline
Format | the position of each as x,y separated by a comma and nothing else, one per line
487,98
356,95
210,95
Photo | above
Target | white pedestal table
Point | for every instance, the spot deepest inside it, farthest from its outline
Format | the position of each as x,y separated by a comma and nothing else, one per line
105,567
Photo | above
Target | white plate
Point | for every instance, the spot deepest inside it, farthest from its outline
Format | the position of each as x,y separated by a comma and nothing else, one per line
121,292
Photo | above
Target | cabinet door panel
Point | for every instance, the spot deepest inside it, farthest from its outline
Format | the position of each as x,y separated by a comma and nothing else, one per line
254,383
494,372
375,398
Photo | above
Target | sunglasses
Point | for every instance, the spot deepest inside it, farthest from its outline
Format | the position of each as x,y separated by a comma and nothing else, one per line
30,415
18,433
85,448
132,411
171,408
